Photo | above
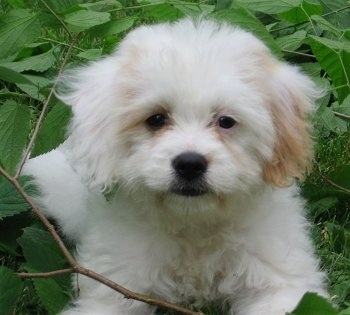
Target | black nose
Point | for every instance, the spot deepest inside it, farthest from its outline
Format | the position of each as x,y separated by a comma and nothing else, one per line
190,165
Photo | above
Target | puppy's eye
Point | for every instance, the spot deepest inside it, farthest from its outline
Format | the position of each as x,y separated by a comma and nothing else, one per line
226,122
156,121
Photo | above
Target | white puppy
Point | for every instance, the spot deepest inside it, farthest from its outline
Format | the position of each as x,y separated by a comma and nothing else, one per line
196,131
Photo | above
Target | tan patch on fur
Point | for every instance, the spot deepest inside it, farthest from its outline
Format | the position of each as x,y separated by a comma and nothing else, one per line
293,150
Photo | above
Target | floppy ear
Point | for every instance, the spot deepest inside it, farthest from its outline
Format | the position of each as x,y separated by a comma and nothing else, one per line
291,97
92,145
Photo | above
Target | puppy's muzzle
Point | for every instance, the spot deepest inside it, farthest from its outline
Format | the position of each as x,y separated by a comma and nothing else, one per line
190,168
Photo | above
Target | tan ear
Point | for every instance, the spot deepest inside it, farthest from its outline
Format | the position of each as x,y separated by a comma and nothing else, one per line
291,101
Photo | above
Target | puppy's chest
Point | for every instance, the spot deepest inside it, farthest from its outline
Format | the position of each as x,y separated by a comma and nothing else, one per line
197,268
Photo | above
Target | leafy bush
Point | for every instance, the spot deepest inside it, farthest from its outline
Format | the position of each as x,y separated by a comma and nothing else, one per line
40,38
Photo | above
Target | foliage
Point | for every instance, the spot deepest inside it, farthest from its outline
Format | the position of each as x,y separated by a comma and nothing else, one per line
35,37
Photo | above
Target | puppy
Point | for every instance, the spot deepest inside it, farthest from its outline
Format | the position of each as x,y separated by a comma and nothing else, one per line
195,131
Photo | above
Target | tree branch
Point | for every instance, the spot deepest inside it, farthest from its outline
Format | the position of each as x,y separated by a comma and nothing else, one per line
49,274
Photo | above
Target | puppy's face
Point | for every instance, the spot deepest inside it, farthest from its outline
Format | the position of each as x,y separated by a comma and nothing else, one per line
191,134
190,111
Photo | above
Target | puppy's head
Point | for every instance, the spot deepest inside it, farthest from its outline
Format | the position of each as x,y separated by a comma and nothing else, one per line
192,109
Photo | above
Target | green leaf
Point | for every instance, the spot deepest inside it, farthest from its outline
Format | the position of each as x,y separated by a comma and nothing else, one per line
62,5
292,41
36,87
345,312
302,12
9,75
343,109
43,255
326,119
53,296
269,6
15,127
10,289
11,202
103,5
337,12
38,63
341,176
247,21
113,27
311,303
334,58
164,12
11,228
326,26
322,205
82,20
17,28
53,130
40,250
90,54
195,10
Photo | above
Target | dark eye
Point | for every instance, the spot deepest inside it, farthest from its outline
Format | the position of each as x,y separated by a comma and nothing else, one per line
226,122
156,121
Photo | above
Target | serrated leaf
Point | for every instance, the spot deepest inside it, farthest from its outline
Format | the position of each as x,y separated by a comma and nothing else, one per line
10,289
334,58
292,41
40,250
269,6
38,63
52,295
311,303
164,12
9,75
327,119
114,27
302,12
82,20
90,54
195,10
247,21
336,13
11,202
53,130
17,28
15,127
103,5
326,26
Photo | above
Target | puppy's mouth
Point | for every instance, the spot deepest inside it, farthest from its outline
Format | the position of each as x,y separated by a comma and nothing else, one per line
189,189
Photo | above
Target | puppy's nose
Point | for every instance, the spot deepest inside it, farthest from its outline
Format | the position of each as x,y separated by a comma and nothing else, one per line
190,165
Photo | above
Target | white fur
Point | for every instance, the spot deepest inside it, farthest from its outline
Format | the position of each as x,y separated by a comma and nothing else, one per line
244,244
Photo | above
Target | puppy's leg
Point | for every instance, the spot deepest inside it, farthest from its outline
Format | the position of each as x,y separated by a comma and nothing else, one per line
61,194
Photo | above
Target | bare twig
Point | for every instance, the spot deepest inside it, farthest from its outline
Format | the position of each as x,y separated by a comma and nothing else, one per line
58,18
44,109
49,274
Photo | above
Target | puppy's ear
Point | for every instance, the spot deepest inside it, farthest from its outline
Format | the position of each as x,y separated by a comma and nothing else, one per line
92,142
291,97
